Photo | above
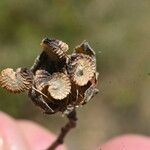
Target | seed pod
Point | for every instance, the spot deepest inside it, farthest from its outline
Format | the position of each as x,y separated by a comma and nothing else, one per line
41,79
82,68
59,86
55,46
41,74
16,82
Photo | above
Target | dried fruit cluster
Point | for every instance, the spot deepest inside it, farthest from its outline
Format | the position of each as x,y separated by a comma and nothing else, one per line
56,81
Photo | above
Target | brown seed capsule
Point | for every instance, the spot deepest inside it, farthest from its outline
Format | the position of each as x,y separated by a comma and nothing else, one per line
41,79
59,86
40,75
82,69
54,46
16,82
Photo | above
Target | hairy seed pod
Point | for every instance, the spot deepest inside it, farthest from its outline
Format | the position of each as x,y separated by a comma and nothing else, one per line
16,82
59,86
82,68
54,46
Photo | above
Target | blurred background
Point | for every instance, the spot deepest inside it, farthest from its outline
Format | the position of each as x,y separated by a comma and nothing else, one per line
119,32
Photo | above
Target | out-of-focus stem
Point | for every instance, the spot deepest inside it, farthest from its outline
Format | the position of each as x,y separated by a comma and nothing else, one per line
64,131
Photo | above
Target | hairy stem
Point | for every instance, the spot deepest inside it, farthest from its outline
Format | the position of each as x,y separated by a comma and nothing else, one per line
65,130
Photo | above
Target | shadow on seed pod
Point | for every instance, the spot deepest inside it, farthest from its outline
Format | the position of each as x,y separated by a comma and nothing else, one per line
16,82
81,68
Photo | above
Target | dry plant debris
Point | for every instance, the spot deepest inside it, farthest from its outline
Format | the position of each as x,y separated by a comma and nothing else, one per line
57,82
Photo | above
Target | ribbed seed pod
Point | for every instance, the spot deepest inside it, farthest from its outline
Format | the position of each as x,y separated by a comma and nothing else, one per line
82,69
59,86
16,82
59,47
41,74
56,46
41,79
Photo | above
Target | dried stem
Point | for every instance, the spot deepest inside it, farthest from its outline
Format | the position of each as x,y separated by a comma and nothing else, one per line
65,130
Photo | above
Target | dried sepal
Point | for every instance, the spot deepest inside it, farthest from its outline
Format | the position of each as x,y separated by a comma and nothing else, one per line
16,82
94,80
85,48
82,69
59,86
89,93
54,46
92,90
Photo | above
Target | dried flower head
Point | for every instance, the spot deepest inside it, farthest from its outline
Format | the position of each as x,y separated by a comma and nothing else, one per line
54,46
59,86
16,82
82,69
57,82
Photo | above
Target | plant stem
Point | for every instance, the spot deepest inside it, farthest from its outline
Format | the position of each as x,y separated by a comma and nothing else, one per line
65,130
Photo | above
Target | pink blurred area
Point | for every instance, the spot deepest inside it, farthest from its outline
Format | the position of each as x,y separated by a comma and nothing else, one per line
127,142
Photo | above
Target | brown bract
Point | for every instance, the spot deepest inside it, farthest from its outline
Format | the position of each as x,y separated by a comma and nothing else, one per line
84,48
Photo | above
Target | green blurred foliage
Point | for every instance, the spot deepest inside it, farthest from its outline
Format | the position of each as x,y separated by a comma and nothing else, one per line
119,32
